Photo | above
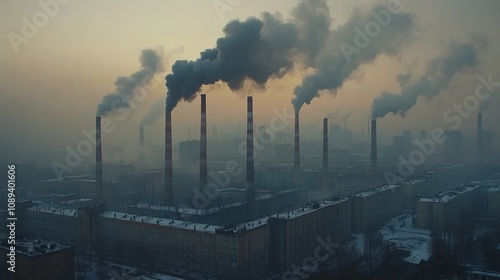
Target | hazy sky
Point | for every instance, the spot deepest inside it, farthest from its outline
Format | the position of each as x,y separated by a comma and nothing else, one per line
50,88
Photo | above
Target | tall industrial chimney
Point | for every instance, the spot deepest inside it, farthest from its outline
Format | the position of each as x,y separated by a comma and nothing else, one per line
297,150
325,153
479,138
141,136
98,162
373,145
203,144
169,185
250,155
142,158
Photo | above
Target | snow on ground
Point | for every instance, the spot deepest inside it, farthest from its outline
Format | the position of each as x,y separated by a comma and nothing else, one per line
88,268
399,231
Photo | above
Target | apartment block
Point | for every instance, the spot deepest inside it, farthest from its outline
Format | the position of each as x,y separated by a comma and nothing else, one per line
295,233
372,207
443,212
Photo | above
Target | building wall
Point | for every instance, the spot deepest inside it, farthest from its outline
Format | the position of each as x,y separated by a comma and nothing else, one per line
445,215
157,246
295,238
410,191
54,265
227,255
372,208
50,226
245,254
494,203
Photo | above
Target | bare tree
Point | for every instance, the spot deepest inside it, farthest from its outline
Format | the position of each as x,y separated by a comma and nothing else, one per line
348,261
373,245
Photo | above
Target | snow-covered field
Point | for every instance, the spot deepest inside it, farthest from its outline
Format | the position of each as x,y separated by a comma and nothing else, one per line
399,231
88,268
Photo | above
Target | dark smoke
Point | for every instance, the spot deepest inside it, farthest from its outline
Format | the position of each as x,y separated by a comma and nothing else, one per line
333,67
255,49
151,62
437,77
313,21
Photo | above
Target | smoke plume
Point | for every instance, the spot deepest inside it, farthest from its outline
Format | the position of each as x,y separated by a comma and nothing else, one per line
261,49
349,47
151,62
438,75
253,49
155,111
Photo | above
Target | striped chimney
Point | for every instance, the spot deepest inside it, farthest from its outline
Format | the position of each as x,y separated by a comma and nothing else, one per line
141,136
250,156
169,185
203,144
98,162
325,153
373,145
479,138
297,149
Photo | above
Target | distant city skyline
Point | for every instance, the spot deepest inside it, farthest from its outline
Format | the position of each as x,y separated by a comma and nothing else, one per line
50,88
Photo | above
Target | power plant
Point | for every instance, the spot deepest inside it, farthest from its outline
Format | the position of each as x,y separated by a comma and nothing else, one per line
296,195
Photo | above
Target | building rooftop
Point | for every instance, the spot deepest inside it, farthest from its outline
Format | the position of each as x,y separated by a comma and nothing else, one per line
448,195
196,211
54,210
376,190
33,247
160,221
307,209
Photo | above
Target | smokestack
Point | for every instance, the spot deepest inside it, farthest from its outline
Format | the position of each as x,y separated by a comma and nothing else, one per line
374,147
250,155
297,149
141,136
325,153
98,162
479,138
203,143
142,158
169,185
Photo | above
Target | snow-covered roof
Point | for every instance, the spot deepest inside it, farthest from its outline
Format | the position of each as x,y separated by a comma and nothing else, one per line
448,195
36,246
160,221
376,190
308,209
54,210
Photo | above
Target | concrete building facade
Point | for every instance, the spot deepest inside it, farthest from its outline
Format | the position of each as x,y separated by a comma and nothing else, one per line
444,212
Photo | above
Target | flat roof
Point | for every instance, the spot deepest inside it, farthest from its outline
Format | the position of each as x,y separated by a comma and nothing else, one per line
195,211
308,209
33,247
376,190
448,195
160,221
53,210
